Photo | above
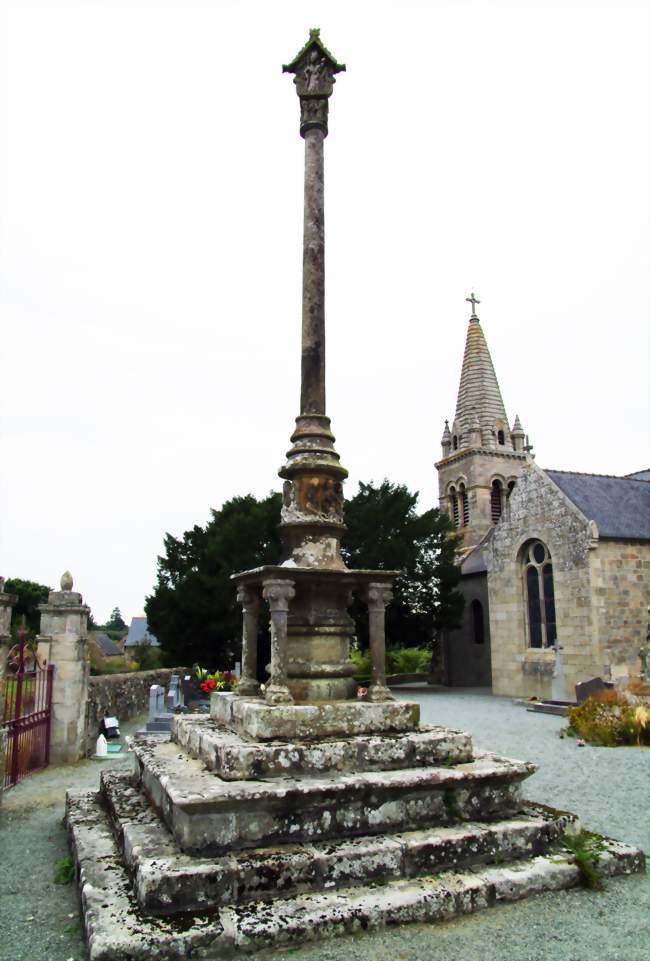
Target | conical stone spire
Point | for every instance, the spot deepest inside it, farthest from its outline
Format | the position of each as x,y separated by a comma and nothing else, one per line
479,390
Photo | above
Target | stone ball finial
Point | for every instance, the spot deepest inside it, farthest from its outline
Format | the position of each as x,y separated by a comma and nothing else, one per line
66,581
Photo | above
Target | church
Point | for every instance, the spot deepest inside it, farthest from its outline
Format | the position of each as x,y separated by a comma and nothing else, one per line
555,564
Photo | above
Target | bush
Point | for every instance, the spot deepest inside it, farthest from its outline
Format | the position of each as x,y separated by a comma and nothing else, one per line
399,660
609,719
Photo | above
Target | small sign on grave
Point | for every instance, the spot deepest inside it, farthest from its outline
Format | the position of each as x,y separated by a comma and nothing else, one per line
110,727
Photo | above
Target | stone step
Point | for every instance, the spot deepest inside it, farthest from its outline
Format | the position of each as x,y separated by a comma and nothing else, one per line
236,758
208,815
165,879
117,929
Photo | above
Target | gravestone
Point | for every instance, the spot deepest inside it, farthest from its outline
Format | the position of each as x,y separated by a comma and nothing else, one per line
593,686
174,694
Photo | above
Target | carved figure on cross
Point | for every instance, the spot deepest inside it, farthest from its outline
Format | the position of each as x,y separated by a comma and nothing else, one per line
473,301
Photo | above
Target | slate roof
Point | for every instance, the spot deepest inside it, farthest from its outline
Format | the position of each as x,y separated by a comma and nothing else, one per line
137,630
479,393
640,475
107,646
620,506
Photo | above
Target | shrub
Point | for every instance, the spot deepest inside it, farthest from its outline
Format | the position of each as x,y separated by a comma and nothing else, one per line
399,660
609,719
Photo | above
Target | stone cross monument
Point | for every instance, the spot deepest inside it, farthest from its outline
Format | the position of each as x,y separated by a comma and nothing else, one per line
310,592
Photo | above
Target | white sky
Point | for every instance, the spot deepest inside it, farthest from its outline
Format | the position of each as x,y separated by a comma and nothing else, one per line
151,254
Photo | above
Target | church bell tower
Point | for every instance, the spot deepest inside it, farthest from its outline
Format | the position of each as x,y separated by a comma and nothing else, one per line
482,457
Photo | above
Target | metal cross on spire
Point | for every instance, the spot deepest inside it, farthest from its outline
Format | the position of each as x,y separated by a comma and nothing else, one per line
473,301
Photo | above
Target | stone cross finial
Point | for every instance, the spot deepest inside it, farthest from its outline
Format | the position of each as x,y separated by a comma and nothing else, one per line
314,68
473,301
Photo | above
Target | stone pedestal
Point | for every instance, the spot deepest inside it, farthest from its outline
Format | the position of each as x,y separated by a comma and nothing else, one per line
312,631
63,643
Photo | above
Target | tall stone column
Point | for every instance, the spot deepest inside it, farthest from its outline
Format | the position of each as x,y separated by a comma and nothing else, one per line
249,599
312,513
278,593
63,643
378,596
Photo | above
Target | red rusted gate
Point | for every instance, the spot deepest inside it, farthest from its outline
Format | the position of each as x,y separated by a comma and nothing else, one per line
27,713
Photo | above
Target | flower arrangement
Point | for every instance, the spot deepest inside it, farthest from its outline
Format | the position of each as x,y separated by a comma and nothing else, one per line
217,681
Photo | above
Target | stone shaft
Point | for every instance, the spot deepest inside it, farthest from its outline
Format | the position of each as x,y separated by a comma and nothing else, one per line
312,394
250,602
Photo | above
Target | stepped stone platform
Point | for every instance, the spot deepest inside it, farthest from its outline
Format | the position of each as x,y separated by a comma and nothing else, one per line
223,843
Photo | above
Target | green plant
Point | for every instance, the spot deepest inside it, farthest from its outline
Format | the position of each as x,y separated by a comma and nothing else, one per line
65,871
586,849
450,802
609,719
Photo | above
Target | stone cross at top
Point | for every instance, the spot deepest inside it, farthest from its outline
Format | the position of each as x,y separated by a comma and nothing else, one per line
473,301
314,68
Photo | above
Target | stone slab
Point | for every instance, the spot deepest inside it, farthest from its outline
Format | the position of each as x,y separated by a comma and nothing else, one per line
116,929
165,879
255,719
207,814
234,757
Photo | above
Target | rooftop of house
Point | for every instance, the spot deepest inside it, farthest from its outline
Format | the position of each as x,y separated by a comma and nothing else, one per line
107,646
139,632
620,506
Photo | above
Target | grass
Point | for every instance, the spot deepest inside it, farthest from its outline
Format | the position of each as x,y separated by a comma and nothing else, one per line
65,871
586,849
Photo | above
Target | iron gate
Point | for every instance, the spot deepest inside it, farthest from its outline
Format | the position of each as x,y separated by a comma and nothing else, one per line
27,714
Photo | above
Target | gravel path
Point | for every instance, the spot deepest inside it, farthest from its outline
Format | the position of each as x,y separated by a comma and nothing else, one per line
608,788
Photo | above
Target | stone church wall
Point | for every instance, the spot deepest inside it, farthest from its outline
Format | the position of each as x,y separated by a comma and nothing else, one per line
537,509
620,574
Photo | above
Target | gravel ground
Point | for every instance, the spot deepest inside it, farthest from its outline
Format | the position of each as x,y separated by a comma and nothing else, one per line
608,788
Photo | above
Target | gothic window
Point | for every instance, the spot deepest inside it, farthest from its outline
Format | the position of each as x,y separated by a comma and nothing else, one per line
540,595
464,504
496,500
455,441
501,437
453,497
478,623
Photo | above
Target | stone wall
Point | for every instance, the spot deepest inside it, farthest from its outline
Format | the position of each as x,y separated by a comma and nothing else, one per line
121,695
537,509
620,575
467,664
601,591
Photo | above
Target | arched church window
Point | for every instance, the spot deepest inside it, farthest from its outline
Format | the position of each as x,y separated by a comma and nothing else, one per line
464,504
455,441
511,487
496,500
478,625
453,497
501,437
540,595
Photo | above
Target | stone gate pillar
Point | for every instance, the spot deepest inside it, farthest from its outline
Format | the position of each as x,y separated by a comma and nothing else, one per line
63,642
7,602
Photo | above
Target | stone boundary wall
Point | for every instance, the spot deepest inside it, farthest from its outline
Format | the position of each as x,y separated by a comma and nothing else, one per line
121,695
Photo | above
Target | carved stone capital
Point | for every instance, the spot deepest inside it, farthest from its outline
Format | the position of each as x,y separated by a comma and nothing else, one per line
278,593
249,598
378,595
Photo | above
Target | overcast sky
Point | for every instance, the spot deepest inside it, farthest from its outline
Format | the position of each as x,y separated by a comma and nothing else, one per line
151,254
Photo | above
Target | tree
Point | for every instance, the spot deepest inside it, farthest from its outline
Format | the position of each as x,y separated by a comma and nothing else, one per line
116,622
30,595
193,610
385,532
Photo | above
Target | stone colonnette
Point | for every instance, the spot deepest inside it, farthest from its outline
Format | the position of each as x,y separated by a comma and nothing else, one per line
307,813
